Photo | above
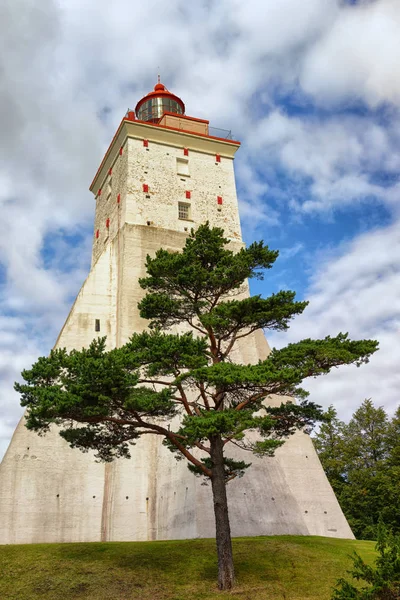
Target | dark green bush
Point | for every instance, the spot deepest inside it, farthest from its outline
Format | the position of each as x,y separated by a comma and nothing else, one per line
383,580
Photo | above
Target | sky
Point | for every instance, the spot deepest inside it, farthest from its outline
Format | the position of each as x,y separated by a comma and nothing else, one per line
311,89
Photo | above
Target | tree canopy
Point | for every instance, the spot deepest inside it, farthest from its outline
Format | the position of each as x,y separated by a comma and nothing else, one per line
361,460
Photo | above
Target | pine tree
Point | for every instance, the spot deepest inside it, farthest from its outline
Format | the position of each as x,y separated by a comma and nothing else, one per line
328,442
106,400
361,461
366,437
393,440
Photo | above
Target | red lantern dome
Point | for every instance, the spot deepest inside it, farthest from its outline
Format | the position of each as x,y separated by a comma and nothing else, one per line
156,103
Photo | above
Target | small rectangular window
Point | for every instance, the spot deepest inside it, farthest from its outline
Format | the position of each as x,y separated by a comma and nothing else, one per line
97,324
182,166
184,210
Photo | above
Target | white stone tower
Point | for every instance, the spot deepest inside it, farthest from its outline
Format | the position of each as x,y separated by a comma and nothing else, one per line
163,174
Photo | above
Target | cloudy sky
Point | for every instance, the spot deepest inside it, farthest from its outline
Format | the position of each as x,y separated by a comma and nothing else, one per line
312,89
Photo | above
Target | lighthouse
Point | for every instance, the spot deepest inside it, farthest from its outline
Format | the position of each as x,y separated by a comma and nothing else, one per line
163,174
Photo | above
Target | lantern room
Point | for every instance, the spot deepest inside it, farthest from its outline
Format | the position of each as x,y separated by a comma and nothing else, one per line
154,105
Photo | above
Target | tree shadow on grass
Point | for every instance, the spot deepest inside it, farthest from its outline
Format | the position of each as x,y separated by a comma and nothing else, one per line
172,559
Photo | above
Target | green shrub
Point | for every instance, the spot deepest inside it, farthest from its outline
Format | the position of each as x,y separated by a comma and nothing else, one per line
383,580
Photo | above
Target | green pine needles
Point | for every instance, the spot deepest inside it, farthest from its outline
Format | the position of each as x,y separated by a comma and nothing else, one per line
105,400
383,580
361,459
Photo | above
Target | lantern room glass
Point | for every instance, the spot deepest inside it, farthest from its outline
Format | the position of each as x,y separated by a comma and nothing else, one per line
154,108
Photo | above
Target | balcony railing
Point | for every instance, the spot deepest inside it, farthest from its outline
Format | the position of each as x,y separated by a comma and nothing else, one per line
224,134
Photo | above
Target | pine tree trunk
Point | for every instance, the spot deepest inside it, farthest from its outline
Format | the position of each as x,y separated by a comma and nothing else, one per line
226,574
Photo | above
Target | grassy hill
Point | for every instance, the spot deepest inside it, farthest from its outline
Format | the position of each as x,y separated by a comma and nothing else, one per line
284,567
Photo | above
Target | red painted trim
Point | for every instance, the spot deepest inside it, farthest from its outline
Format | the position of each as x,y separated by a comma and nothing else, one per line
211,137
108,151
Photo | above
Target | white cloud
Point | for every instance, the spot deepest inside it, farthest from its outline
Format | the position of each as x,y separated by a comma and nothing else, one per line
356,291
338,156
357,58
17,352
288,253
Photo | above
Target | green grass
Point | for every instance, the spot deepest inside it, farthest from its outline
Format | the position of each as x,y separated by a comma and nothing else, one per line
287,567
